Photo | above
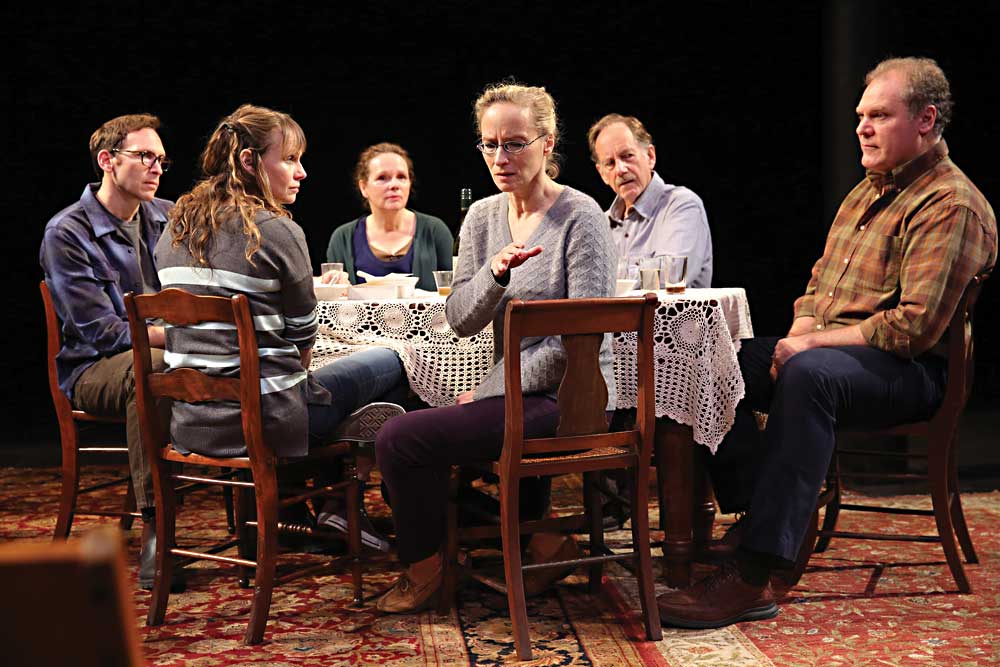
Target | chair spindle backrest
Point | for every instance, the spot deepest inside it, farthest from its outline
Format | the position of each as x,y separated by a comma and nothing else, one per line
180,308
583,394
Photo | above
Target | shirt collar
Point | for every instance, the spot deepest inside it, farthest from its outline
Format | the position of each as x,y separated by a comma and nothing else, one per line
901,177
645,205
103,222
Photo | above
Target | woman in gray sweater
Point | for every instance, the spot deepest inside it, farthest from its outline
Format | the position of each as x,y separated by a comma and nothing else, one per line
535,240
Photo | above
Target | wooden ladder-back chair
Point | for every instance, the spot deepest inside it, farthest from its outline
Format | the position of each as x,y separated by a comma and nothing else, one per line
69,438
258,470
582,445
941,433
68,603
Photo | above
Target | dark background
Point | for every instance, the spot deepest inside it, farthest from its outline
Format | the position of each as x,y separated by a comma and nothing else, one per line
751,105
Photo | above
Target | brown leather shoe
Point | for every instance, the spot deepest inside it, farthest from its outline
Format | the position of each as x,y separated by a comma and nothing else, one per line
405,597
724,547
720,599
537,581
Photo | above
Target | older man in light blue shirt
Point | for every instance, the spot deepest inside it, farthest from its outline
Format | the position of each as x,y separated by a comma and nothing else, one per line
649,217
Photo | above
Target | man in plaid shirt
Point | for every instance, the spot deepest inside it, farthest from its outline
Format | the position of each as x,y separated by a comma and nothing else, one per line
865,349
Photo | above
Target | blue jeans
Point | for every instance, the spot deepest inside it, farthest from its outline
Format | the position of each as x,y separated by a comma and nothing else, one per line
354,381
817,392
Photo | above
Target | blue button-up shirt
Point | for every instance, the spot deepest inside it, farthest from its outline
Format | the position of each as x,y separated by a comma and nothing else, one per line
665,220
89,265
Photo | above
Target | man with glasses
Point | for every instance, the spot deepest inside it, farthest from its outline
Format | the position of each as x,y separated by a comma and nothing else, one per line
649,217
93,252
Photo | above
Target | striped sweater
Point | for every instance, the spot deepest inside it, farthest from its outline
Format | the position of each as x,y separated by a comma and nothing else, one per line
282,302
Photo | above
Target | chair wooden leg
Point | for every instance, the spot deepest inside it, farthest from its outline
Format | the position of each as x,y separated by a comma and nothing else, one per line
957,515
267,550
70,485
353,507
227,498
832,508
166,529
129,507
510,531
595,515
961,528
937,467
640,544
243,509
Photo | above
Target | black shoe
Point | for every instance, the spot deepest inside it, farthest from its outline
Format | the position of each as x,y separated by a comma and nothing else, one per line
147,562
616,510
334,515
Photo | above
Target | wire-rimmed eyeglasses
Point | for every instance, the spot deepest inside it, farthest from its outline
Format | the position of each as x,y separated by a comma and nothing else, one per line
509,147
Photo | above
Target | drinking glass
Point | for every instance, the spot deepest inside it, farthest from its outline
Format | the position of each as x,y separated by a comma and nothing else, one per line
330,272
627,275
649,273
673,268
443,281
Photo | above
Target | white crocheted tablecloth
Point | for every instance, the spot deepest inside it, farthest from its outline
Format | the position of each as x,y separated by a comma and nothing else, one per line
697,335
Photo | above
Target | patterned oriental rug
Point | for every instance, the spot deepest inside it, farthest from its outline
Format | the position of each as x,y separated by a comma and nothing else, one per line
860,603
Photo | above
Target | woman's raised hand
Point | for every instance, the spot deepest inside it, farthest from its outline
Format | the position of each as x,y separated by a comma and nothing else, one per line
512,256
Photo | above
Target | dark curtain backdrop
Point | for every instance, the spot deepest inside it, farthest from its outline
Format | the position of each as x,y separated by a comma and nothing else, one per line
750,103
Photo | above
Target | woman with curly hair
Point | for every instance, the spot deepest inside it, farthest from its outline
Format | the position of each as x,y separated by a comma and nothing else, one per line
231,234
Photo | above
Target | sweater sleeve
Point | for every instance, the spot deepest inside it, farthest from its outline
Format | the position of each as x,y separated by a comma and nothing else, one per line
291,256
475,293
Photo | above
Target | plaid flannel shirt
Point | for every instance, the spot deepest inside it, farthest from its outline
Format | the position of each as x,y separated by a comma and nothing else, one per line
902,249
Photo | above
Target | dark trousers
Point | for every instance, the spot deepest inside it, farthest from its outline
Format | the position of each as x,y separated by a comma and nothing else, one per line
415,452
108,388
777,474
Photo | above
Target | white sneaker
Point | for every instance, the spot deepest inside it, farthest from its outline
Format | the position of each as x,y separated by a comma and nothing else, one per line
363,424
334,516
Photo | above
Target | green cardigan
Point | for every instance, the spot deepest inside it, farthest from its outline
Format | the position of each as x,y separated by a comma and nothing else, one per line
432,246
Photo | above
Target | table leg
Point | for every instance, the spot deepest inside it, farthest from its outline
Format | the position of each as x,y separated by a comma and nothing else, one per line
674,469
704,499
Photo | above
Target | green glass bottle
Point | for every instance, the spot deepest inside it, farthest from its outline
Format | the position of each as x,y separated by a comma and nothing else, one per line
464,202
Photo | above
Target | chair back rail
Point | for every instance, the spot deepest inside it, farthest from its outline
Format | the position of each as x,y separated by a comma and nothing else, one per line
582,443
583,393
69,437
941,431
181,308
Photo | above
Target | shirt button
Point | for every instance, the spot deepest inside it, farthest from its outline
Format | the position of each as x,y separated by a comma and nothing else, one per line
829,293
862,228
626,235
846,260
819,326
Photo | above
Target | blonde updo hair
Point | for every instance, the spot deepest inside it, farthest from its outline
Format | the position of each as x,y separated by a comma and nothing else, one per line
537,101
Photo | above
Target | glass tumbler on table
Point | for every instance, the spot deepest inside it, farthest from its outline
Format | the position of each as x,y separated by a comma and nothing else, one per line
443,281
673,268
649,273
330,272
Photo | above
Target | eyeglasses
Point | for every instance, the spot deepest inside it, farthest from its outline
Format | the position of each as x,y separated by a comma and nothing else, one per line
510,147
148,158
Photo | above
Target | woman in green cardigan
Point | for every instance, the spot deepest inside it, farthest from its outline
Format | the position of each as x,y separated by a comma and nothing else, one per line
392,238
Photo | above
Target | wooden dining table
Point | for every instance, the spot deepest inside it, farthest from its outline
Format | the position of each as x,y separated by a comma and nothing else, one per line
698,383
